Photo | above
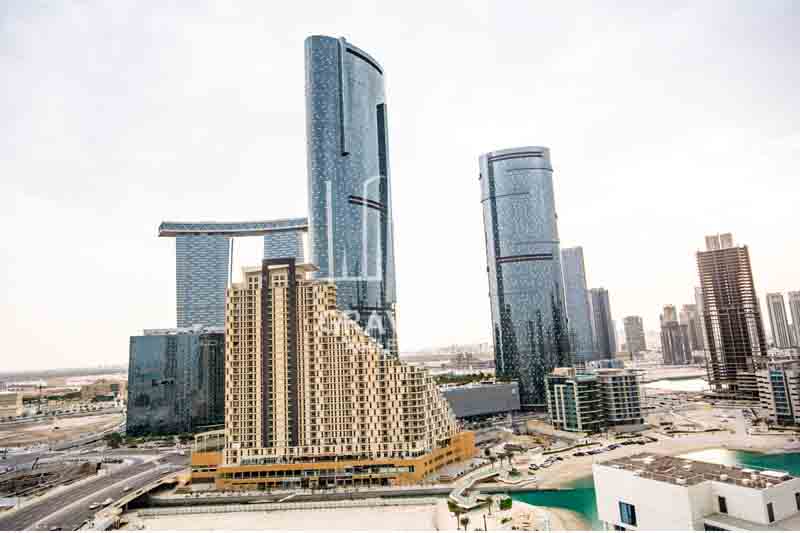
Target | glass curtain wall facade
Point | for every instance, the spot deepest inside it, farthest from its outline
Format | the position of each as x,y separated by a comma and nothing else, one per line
529,320
350,215
284,244
577,303
201,278
176,381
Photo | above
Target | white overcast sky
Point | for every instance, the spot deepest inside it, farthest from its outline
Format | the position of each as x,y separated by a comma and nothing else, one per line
664,123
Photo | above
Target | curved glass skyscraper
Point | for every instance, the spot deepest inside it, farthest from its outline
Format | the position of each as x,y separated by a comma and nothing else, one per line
350,215
524,266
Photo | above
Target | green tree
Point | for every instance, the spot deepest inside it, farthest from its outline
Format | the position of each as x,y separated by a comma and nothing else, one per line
114,440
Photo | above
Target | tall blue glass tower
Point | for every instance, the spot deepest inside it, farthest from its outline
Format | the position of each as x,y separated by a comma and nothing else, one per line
350,215
201,271
579,311
524,267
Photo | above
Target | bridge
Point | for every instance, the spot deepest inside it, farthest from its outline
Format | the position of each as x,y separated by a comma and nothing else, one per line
232,229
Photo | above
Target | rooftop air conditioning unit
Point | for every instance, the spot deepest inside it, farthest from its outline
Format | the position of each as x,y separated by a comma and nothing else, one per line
680,481
723,477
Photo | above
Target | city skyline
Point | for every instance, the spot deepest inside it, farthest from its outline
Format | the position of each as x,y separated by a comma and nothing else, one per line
128,135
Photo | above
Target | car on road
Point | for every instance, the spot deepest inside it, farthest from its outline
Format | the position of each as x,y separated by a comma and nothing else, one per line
126,489
108,501
94,506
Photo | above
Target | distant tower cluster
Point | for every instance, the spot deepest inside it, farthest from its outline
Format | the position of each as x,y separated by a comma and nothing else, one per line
675,344
526,294
735,340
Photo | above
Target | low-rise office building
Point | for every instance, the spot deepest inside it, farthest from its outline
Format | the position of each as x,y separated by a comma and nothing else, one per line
10,404
594,400
654,492
482,399
573,401
779,392
621,397
104,389
176,381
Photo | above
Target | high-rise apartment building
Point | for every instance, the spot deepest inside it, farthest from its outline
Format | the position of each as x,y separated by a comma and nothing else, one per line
794,309
735,340
605,335
701,323
523,259
778,321
690,318
576,298
634,335
175,381
675,346
201,272
350,214
313,401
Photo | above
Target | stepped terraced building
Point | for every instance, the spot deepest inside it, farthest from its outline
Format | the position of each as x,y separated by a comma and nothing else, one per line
311,400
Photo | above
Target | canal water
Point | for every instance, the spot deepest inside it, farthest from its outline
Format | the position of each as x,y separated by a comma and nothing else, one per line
580,497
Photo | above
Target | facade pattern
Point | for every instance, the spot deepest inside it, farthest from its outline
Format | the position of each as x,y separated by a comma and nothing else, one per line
350,215
201,271
282,244
605,335
529,319
735,342
175,381
577,303
305,383
778,320
635,341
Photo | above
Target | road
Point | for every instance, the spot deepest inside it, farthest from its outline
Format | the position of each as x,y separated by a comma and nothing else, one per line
70,508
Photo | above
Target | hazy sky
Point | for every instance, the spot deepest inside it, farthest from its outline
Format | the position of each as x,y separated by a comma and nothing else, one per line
664,123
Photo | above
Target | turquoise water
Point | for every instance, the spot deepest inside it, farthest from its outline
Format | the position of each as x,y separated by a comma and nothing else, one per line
580,497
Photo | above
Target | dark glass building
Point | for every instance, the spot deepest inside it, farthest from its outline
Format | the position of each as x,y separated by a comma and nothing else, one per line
524,266
350,215
176,381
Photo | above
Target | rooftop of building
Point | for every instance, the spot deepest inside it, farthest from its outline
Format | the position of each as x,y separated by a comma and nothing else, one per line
194,330
232,229
678,471
478,384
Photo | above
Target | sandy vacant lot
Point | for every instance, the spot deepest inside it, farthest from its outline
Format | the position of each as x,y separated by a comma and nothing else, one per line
411,518
40,432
